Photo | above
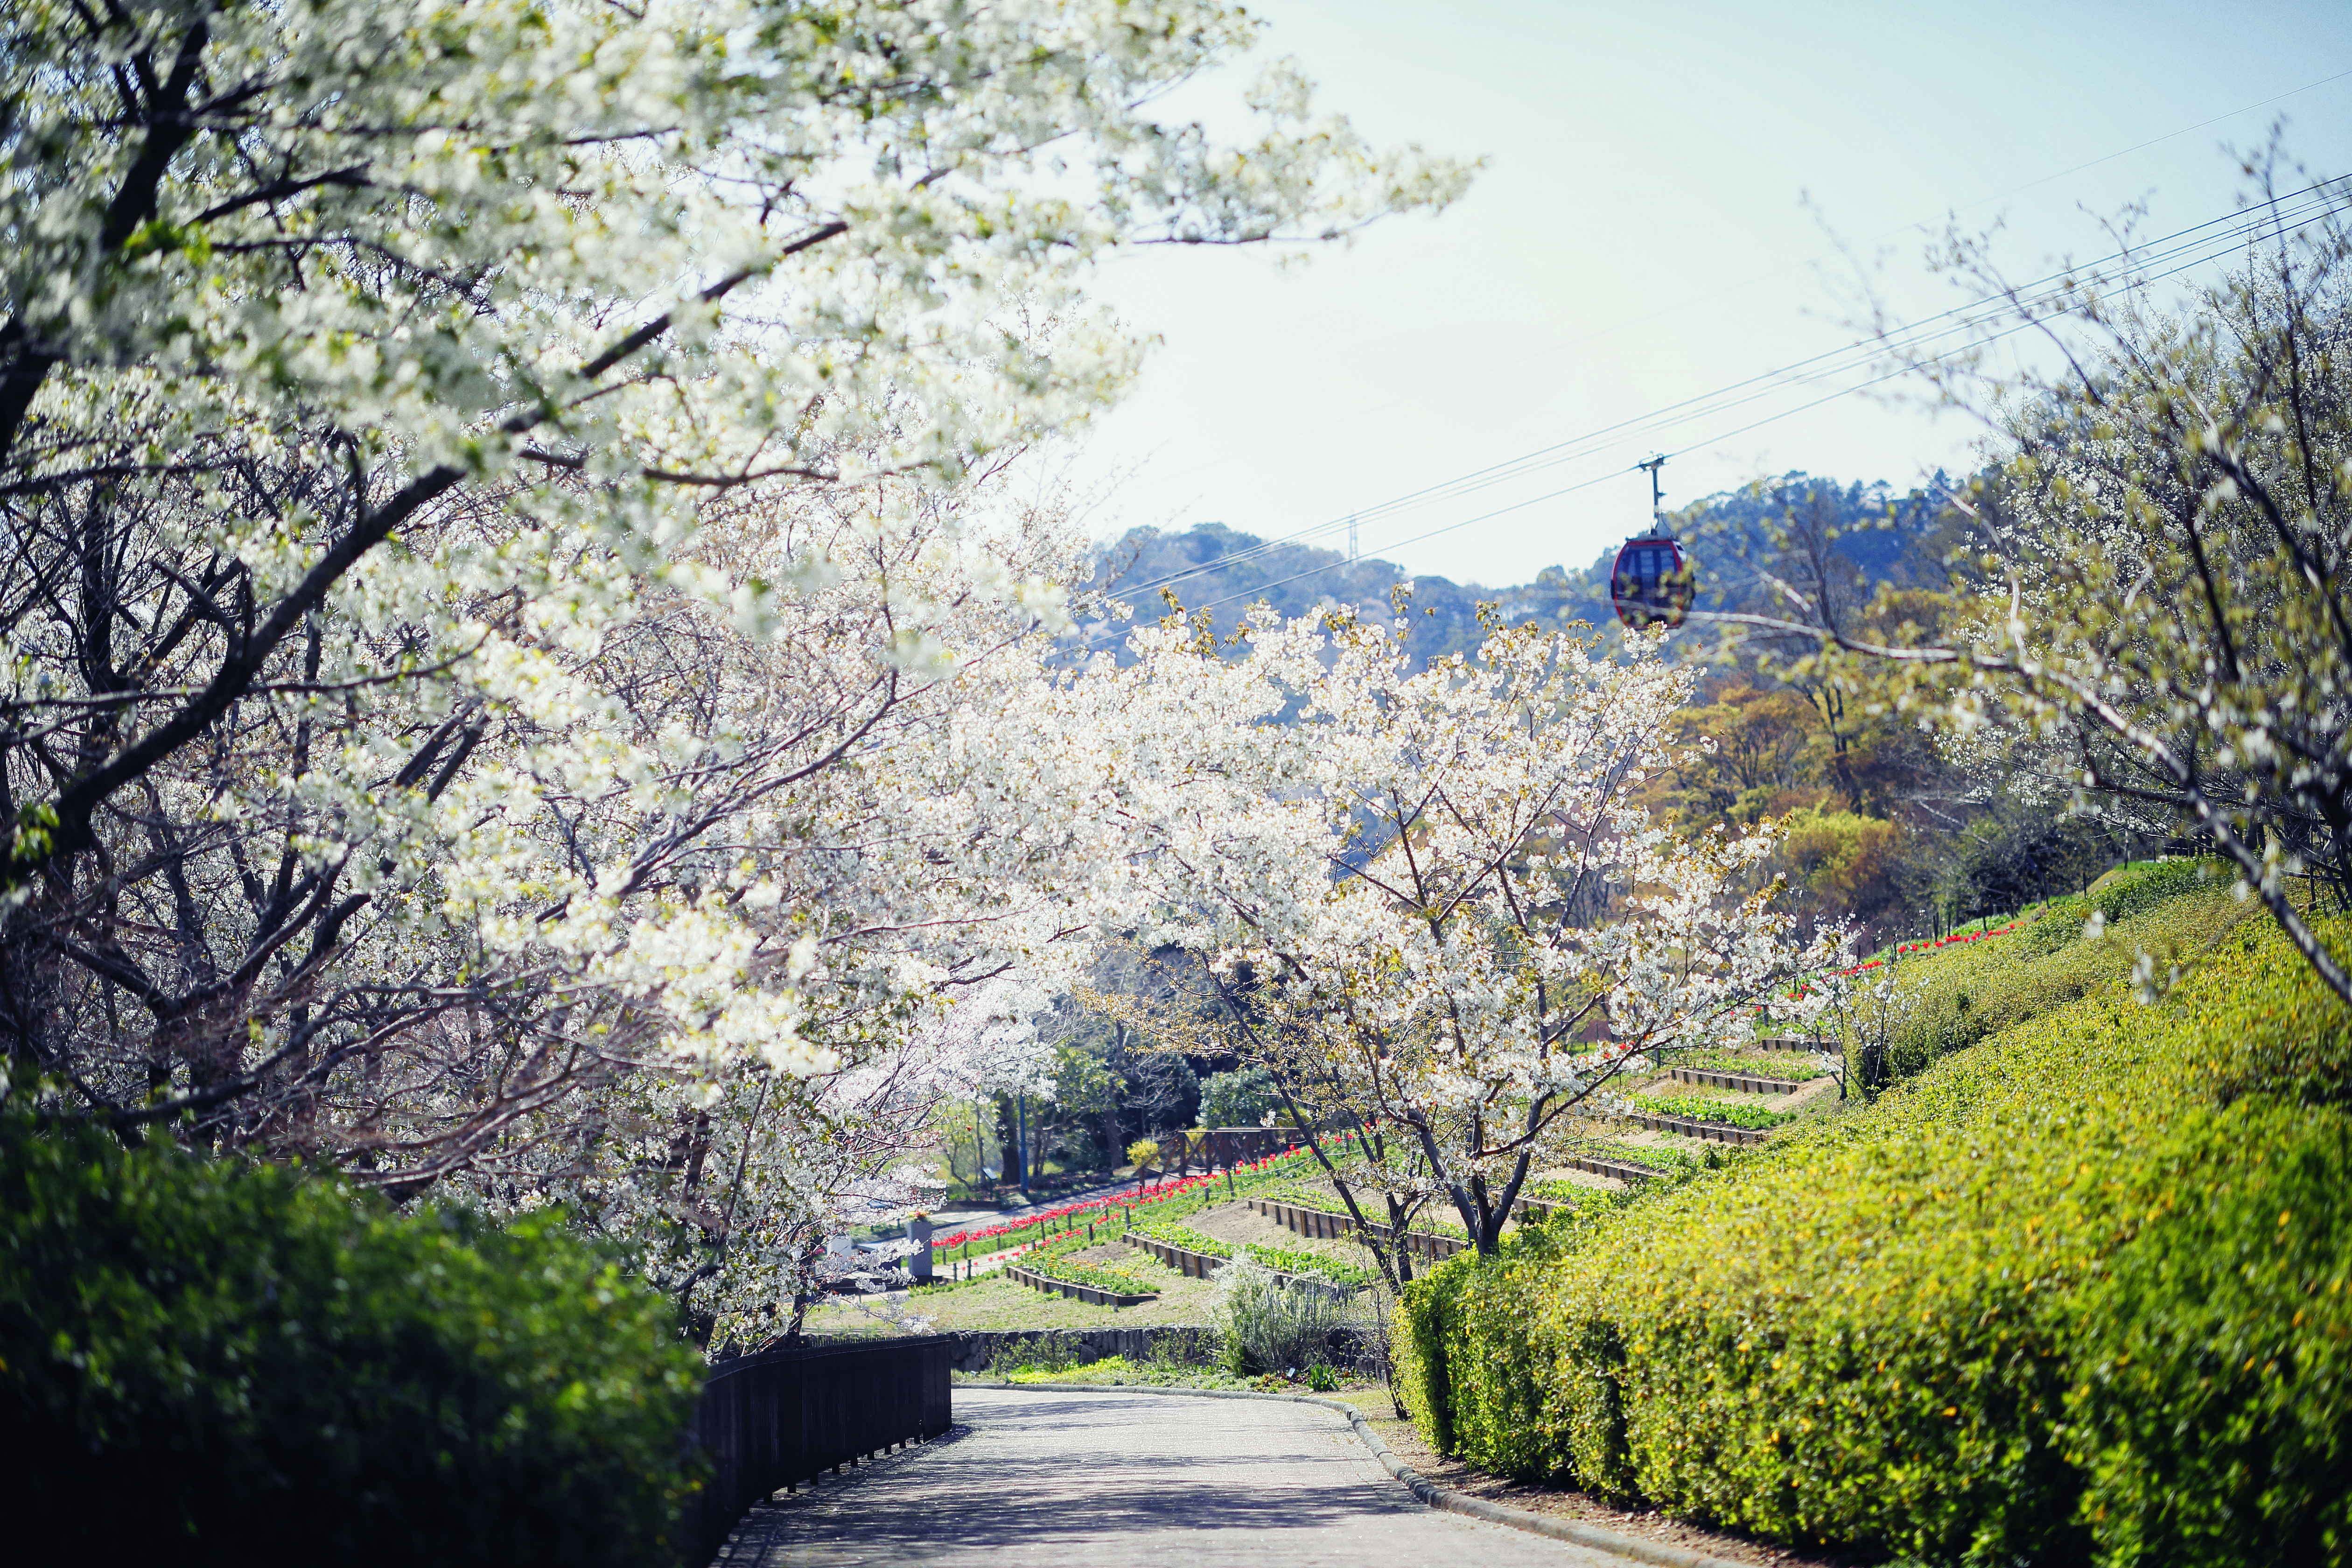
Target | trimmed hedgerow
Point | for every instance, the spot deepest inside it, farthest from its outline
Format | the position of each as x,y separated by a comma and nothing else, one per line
2078,1294
1965,994
208,1362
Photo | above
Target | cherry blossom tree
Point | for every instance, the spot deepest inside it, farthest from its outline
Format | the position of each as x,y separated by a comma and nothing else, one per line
2153,625
505,557
1426,903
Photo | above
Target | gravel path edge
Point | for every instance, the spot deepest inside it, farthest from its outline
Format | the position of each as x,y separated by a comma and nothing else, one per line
1569,1530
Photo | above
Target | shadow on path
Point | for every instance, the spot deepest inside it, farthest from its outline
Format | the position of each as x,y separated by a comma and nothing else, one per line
1107,1480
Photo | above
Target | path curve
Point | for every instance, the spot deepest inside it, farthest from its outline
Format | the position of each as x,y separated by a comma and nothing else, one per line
1131,1480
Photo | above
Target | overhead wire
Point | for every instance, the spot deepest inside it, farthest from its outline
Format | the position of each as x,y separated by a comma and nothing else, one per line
2182,253
2184,249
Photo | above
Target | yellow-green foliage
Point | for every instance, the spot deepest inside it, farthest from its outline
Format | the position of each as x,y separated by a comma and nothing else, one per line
1964,995
2078,1294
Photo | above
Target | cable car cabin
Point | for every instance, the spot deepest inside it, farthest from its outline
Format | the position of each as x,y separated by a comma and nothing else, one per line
1654,584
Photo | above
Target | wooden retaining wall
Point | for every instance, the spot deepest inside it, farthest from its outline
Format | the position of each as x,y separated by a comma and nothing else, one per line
1306,1221
1710,1132
1632,1175
1192,1265
1746,1083
1088,1293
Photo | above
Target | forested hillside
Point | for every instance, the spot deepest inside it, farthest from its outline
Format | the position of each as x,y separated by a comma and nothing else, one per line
1884,831
1876,535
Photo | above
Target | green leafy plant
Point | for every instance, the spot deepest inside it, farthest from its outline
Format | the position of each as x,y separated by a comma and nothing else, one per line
1791,1066
1186,1237
2082,1293
212,1361
1699,1108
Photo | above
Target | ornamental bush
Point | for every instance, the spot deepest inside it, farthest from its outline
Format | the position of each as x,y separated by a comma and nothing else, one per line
212,1361
1966,994
2077,1294
1267,1326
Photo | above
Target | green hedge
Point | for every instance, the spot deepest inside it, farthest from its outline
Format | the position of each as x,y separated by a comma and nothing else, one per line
1965,994
2077,1295
210,1361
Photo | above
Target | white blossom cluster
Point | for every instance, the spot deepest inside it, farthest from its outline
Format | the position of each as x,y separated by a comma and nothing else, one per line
1427,901
509,576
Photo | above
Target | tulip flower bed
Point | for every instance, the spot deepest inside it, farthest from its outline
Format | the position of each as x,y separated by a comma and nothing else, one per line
1160,1198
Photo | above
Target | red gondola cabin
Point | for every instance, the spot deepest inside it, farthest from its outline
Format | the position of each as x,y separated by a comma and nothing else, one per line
1653,582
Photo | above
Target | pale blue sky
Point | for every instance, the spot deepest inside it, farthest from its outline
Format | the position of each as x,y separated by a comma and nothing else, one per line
1678,196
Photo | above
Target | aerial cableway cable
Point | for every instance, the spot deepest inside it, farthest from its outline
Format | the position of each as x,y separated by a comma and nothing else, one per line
2018,310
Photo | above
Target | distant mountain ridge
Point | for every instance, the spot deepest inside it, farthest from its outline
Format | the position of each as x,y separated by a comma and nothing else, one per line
1883,537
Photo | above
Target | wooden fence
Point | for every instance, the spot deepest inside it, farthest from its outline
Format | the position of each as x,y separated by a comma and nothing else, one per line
782,1417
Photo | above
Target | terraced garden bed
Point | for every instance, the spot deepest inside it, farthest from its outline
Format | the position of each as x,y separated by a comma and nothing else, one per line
1690,1127
1094,1295
1737,1082
1198,1262
1800,1064
1322,1223
1627,1171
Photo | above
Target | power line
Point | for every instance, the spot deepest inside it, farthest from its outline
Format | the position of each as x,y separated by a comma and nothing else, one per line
1713,294
2241,226
2040,296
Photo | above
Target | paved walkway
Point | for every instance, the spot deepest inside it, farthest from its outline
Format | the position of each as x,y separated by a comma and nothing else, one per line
1123,1480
